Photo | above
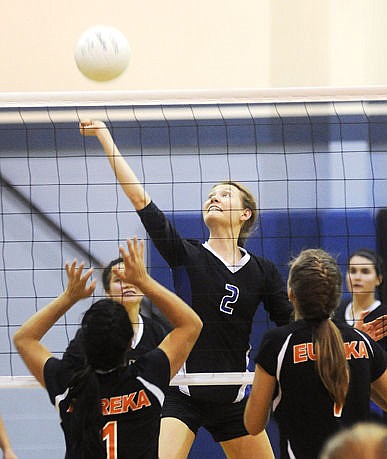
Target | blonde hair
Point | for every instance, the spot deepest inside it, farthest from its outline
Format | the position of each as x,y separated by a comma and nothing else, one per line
315,280
361,441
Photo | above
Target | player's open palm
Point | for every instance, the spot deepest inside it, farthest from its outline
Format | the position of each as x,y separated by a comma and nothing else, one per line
78,286
134,268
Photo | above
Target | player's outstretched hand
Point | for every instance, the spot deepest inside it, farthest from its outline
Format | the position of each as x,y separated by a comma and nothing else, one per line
134,270
376,329
379,327
91,127
78,286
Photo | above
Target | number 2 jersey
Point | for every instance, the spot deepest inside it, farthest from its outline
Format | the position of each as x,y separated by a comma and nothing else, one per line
131,402
225,298
302,407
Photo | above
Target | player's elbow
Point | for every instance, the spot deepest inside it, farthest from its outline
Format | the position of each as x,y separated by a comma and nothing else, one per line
18,340
21,342
252,427
195,329
253,421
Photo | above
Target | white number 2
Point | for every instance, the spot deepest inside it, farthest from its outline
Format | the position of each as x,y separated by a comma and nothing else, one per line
229,299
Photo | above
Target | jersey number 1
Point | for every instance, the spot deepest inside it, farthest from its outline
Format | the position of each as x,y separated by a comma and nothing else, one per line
109,433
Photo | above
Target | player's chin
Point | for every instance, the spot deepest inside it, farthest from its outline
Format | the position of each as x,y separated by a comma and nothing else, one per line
212,215
130,299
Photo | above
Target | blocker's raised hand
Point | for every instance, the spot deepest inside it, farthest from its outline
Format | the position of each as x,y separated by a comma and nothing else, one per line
134,268
78,287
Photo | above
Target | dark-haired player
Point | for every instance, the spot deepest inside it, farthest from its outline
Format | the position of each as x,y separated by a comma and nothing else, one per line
109,409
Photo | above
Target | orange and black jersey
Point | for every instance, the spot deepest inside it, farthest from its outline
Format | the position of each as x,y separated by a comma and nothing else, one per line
302,407
225,298
131,402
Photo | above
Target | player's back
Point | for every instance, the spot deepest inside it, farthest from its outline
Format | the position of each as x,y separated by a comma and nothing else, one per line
303,408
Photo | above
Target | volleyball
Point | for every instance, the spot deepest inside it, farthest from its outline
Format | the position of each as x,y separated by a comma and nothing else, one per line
102,53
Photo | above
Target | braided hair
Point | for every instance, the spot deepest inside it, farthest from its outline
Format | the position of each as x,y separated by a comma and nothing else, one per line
316,282
107,332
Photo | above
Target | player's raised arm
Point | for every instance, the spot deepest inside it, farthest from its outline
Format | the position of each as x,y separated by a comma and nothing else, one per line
124,173
28,336
186,323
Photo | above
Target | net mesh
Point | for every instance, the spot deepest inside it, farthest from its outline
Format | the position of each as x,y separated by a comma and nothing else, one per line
316,163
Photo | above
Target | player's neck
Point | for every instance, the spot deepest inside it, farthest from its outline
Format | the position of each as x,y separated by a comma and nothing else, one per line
362,302
133,314
227,248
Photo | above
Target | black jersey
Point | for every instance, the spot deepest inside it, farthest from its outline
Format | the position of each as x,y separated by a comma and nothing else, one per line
149,336
302,406
225,299
131,401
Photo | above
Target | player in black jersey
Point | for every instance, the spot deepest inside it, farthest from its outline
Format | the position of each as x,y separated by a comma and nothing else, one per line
364,277
224,284
316,375
110,409
148,333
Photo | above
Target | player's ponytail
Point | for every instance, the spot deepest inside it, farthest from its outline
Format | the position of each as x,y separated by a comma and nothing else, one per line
316,282
107,332
86,415
331,361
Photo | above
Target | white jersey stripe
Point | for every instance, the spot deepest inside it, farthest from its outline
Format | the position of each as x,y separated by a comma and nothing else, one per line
280,360
156,391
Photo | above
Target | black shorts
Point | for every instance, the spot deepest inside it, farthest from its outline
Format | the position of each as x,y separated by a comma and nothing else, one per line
223,421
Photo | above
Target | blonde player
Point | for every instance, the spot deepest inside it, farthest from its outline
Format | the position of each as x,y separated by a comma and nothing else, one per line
224,284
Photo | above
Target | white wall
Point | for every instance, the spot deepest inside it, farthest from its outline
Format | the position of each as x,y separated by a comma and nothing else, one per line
201,44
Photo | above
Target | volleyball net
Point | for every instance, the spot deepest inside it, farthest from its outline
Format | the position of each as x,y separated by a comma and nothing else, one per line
316,160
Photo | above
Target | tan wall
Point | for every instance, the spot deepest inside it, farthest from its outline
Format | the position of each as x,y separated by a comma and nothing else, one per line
198,44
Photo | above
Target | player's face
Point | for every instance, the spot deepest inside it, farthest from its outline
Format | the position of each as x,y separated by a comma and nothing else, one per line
223,204
361,276
123,292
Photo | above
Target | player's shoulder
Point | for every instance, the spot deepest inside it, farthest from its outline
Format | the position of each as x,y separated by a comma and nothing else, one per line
153,366
266,268
154,327
278,334
380,310
151,360
298,330
264,262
